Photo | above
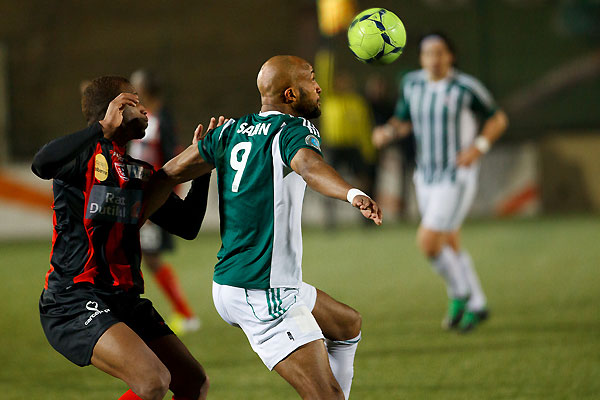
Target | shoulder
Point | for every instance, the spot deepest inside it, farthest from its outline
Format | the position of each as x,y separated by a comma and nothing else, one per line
412,77
218,131
300,125
471,84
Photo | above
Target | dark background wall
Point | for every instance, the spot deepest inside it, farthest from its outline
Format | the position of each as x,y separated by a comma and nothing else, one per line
209,53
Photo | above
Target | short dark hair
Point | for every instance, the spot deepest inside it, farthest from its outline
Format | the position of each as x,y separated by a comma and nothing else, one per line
439,35
98,95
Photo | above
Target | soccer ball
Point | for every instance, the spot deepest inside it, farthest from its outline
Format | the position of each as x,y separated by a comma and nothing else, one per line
377,36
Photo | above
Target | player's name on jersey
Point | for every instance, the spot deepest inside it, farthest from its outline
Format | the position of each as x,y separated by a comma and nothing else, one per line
114,204
251,130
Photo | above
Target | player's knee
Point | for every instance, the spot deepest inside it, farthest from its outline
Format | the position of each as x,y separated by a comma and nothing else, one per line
155,386
204,388
335,393
203,385
347,327
193,385
355,326
428,244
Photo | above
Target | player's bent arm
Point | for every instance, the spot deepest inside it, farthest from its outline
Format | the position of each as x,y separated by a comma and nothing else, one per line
186,166
321,177
184,217
53,155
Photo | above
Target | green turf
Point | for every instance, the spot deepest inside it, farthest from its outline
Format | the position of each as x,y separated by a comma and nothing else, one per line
542,342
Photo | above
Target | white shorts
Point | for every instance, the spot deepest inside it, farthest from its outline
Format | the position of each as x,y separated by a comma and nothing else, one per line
276,321
444,205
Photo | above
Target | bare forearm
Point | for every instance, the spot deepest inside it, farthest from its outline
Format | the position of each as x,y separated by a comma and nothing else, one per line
322,178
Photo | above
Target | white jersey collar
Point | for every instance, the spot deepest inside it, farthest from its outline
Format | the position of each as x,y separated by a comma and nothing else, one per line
267,113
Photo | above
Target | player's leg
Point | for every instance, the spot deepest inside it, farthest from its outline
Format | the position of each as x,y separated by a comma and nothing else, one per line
188,378
307,370
476,308
438,204
88,327
446,263
284,333
121,353
341,326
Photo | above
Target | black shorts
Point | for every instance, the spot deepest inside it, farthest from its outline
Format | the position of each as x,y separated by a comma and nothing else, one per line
74,320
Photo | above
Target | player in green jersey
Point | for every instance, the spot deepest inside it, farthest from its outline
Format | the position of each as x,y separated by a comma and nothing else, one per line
455,121
264,162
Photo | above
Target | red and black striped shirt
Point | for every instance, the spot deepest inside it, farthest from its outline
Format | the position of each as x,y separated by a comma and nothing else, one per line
98,203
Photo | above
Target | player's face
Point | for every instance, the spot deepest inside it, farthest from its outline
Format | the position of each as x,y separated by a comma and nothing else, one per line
135,119
308,104
436,58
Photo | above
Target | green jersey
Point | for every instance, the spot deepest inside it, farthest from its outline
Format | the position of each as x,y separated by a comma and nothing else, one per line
260,198
445,117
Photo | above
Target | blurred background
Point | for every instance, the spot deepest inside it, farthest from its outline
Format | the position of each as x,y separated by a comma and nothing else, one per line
540,59
534,224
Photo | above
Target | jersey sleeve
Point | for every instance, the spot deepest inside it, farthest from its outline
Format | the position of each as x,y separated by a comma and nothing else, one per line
402,111
299,136
208,145
66,158
483,102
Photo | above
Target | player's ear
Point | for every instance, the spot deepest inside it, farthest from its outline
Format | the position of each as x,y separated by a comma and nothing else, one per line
289,96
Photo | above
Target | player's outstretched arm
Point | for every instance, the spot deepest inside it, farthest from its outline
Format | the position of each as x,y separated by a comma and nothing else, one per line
186,166
321,177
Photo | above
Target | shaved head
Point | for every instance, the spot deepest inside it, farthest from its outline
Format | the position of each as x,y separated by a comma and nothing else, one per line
283,83
278,74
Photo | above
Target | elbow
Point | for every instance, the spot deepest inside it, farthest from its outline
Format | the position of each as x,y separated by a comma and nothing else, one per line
40,170
190,234
502,119
191,230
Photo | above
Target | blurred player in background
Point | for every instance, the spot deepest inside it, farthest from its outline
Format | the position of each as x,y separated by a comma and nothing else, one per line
443,107
264,162
90,309
157,147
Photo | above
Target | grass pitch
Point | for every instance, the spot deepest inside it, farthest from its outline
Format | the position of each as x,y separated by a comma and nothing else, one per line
542,341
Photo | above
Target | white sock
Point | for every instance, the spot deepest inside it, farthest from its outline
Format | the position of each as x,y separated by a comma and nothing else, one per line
477,301
341,359
448,265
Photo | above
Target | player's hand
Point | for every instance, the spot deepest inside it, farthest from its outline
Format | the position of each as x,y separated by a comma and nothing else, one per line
368,208
382,135
114,114
214,123
467,157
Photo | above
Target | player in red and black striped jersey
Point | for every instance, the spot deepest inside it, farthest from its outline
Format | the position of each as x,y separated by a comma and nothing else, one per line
90,308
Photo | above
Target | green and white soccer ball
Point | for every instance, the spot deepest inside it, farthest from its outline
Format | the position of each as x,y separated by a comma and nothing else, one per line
377,36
